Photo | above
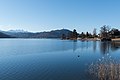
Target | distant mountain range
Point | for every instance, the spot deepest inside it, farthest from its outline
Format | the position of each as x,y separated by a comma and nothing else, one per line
25,34
16,31
2,35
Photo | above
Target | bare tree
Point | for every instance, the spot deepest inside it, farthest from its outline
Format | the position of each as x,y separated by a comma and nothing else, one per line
105,31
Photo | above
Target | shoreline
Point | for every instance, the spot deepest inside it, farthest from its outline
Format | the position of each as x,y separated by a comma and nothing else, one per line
89,39
85,39
96,39
116,39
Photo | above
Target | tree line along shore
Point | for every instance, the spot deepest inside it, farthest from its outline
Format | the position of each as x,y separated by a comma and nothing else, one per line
105,34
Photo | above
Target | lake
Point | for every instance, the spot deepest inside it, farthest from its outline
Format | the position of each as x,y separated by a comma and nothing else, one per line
54,59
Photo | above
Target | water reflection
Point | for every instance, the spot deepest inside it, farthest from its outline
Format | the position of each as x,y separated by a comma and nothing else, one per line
74,45
103,47
115,46
106,47
105,68
64,60
94,45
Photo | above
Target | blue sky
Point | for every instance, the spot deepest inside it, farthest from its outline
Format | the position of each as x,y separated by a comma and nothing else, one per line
45,15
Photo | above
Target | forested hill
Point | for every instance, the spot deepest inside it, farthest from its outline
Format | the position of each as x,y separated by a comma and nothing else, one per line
50,34
2,35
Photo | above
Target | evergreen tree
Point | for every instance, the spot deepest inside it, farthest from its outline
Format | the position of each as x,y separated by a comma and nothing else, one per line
63,36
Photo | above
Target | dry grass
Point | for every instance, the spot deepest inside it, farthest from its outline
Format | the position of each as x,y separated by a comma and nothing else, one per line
105,69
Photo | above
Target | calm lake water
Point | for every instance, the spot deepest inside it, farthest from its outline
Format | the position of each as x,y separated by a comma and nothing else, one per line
52,59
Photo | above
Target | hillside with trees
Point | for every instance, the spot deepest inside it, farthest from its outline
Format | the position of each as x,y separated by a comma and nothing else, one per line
105,32
50,34
2,35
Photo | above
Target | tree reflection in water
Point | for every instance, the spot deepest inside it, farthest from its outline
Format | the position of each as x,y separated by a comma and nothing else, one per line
106,68
115,46
106,47
94,45
74,45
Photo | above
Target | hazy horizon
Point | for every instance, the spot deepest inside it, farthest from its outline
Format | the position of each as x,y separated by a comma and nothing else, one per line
47,15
